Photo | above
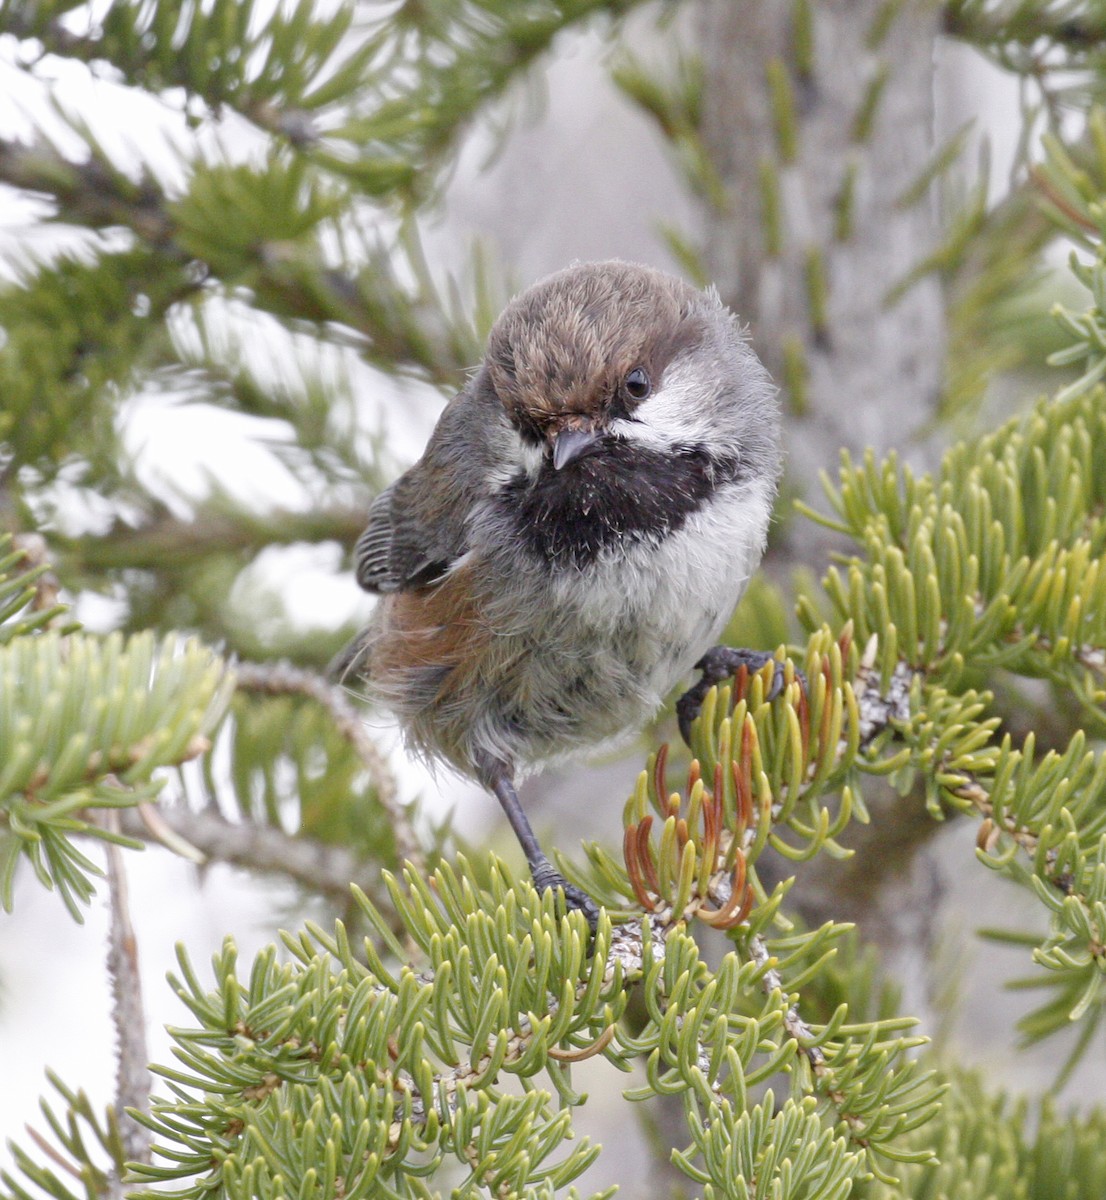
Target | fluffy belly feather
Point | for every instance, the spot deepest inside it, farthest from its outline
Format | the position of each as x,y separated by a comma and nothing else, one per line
558,662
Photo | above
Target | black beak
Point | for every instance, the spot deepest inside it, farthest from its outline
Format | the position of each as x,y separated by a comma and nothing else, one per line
570,444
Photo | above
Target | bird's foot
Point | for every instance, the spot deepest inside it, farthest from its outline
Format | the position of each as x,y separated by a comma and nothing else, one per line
720,664
547,878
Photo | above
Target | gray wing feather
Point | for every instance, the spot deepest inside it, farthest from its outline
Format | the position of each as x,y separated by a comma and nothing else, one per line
418,527
372,555
402,546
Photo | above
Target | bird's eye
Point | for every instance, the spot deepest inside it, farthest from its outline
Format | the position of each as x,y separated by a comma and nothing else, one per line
637,384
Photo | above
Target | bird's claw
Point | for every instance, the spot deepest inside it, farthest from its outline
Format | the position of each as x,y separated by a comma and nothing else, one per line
547,878
722,663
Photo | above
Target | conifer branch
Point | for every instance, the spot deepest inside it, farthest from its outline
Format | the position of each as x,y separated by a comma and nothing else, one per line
991,829
91,193
771,982
624,962
990,25
47,586
280,255
879,707
501,984
327,869
180,543
282,679
68,751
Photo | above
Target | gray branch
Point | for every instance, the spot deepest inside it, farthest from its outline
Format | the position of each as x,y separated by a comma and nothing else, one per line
816,156
329,870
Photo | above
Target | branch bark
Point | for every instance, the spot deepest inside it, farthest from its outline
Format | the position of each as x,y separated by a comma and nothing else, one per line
329,870
818,126
819,119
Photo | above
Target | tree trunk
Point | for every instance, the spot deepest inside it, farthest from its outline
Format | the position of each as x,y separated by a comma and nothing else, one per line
819,120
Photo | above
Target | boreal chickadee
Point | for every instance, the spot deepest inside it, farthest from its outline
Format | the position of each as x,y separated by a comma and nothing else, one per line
584,518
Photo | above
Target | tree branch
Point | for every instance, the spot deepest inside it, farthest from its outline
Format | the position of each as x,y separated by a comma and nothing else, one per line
1029,25
182,542
329,870
287,278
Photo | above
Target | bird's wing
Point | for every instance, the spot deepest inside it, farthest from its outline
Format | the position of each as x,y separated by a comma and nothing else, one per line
373,554
402,546
418,527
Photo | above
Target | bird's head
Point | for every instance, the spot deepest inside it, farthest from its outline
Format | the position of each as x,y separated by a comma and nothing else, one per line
615,351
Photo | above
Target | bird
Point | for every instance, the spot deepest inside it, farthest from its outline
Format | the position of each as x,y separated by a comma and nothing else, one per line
570,545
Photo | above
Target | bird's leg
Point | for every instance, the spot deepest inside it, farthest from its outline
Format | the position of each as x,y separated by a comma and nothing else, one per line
717,665
497,778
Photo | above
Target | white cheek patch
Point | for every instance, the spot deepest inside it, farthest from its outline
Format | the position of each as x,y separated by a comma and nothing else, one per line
512,452
676,414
